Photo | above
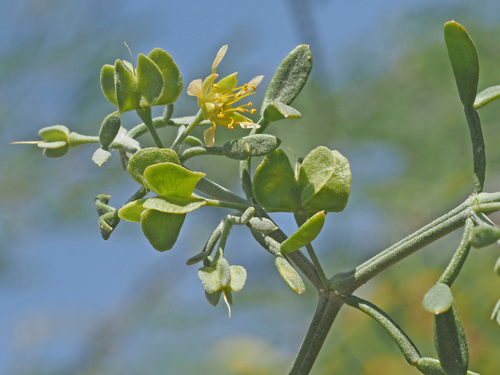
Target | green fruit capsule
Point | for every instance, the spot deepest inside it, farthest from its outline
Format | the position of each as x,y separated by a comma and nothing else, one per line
109,129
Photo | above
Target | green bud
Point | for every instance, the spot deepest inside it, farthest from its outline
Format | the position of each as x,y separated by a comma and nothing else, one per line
109,129
438,299
262,224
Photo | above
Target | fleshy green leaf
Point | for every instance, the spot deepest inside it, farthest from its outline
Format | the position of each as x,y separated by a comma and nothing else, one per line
161,229
274,184
262,224
109,129
464,61
325,180
172,79
149,156
251,145
306,233
101,156
451,343
174,205
132,211
55,133
290,77
277,111
484,235
126,88
438,299
55,152
213,298
150,81
290,275
169,179
238,278
486,96
108,83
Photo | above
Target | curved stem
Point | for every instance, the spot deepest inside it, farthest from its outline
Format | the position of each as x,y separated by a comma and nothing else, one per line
200,150
406,346
451,272
327,309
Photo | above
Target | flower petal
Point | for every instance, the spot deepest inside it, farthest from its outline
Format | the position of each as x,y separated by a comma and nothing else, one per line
219,57
249,125
195,88
210,136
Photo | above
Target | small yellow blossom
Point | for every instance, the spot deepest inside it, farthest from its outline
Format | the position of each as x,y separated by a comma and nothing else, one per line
216,99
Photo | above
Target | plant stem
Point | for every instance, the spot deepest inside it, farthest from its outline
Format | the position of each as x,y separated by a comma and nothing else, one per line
146,117
196,121
478,152
451,272
327,309
406,346
200,150
301,262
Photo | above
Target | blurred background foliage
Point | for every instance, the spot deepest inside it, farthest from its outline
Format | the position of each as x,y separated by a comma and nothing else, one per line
388,103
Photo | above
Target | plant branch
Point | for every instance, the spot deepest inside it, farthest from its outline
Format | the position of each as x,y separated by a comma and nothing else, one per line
347,282
327,309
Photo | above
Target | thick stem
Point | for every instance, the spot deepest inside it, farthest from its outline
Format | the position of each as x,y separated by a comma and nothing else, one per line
328,307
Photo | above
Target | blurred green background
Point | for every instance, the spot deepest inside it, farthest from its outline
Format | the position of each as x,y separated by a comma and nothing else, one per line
382,93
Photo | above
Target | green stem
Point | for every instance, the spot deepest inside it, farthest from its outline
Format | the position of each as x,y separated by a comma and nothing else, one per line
451,272
161,122
347,282
406,346
168,111
478,152
199,151
146,117
327,309
216,191
196,121
226,204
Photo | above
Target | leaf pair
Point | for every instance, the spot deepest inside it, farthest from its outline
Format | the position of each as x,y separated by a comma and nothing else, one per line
161,217
156,81
322,182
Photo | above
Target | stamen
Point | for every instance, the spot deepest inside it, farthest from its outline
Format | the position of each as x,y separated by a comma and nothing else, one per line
253,87
216,86
230,126
221,115
253,110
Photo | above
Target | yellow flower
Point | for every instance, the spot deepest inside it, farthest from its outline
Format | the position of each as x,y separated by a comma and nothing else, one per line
216,99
